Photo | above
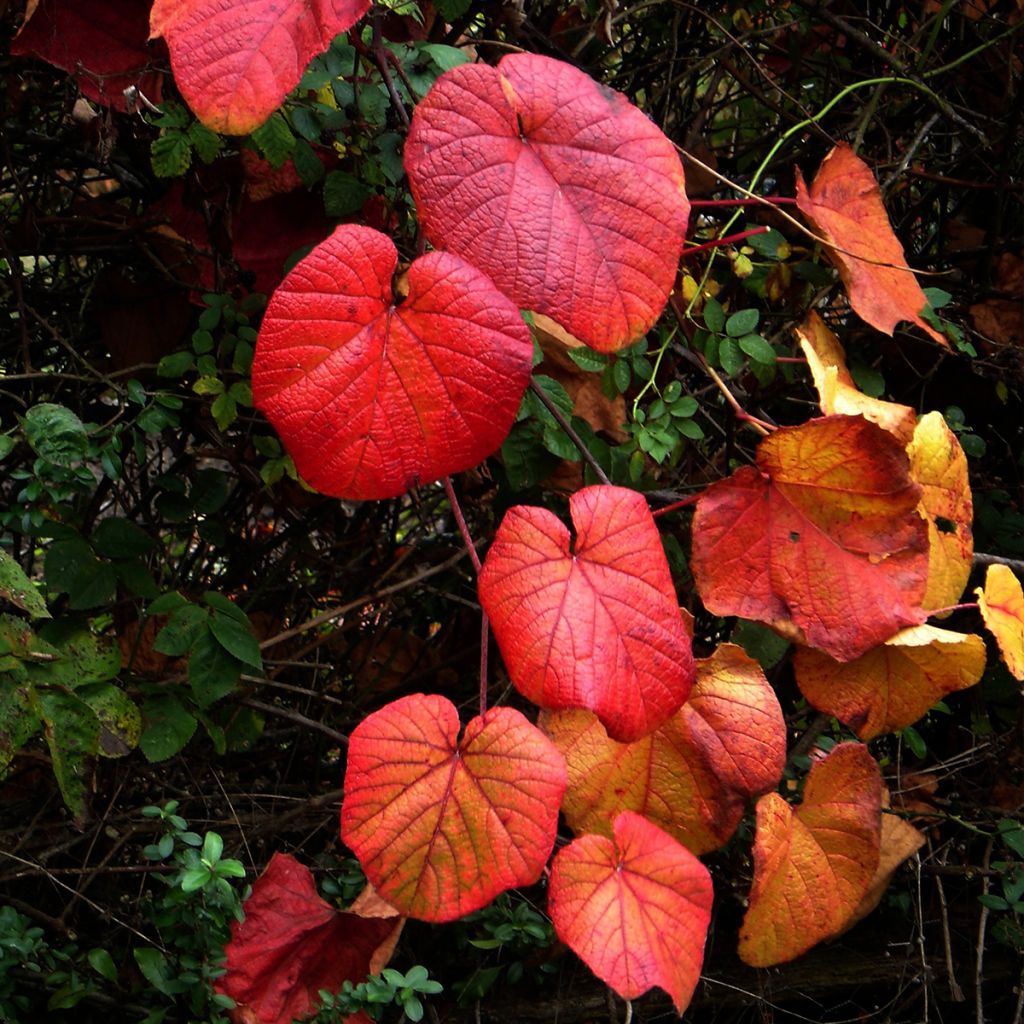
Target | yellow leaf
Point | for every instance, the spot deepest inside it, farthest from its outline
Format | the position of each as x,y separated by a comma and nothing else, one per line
938,464
837,392
893,685
1002,607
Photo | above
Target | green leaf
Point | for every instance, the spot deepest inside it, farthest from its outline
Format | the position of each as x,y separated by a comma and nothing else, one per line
559,398
757,348
224,411
684,408
587,359
760,643
869,380
1012,834
767,243
343,194
168,727
275,139
153,965
222,604
17,588
119,717
136,578
743,322
55,434
445,57
307,163
94,585
714,316
166,603
19,720
181,631
177,364
102,963
65,559
452,9
212,671
72,734
82,657
237,639
207,143
121,538
210,490
730,356
170,154
195,879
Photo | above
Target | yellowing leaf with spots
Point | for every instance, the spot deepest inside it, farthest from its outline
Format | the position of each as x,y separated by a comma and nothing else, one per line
893,685
837,391
1002,607
938,464
442,826
813,864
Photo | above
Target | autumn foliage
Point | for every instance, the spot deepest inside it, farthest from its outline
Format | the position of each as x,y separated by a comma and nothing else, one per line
539,191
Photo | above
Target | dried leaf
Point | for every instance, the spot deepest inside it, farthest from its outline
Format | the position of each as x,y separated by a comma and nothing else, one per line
1002,607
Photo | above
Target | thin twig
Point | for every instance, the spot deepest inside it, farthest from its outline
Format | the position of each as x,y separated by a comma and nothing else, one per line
979,949
584,451
294,716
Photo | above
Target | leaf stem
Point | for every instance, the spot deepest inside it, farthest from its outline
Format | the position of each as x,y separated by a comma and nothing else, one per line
967,606
460,519
581,447
717,243
682,503
705,204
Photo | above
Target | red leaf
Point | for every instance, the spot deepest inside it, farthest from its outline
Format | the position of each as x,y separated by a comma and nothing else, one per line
234,61
556,186
813,865
292,944
821,540
372,397
442,827
636,910
102,43
845,205
599,628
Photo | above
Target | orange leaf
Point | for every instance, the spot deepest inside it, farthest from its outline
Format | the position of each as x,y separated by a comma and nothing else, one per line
821,540
813,865
693,775
635,910
1002,607
844,205
938,464
892,686
837,392
291,944
441,827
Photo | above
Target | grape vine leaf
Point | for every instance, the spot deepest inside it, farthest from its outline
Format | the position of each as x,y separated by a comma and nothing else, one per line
557,187
844,204
939,466
291,944
370,396
694,774
234,61
635,908
1002,607
102,44
441,827
893,685
837,392
813,865
821,540
598,628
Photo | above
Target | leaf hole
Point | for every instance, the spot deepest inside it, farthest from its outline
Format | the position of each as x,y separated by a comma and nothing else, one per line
944,525
794,536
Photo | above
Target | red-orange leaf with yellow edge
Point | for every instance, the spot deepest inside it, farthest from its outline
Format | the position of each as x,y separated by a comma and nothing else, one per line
821,540
371,396
893,685
844,204
813,864
693,775
234,61
568,196
292,944
635,909
440,826
1002,607
837,391
938,464
596,628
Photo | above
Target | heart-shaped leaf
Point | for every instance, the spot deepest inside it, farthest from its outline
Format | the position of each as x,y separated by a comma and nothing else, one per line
1002,607
893,685
939,466
234,61
837,391
103,44
693,775
813,865
556,186
598,628
441,826
291,944
634,909
844,204
371,397
821,540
